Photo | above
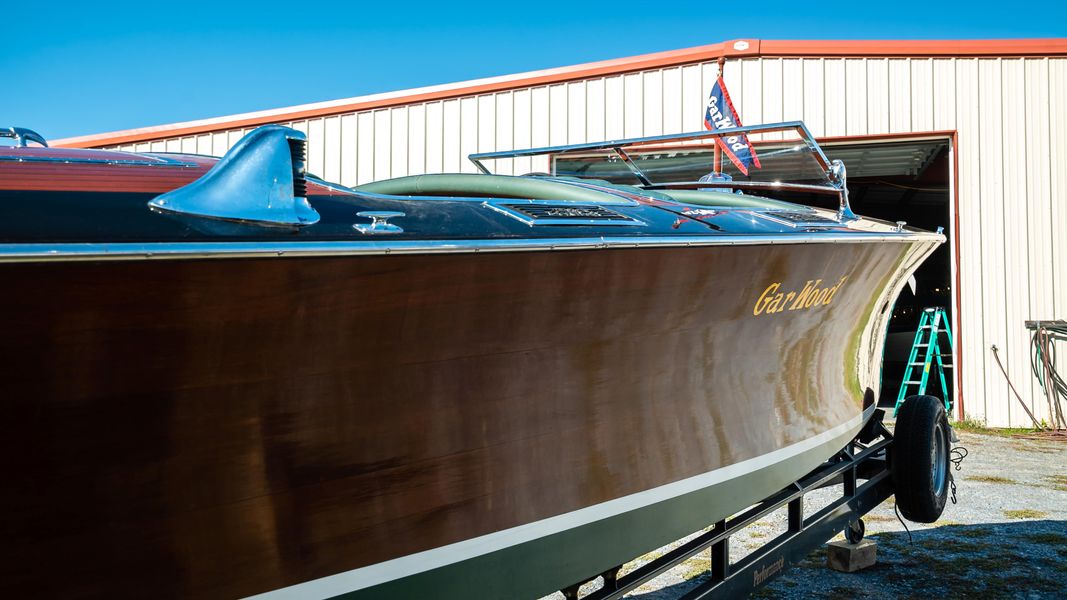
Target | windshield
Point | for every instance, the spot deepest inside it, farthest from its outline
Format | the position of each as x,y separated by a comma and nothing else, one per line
783,155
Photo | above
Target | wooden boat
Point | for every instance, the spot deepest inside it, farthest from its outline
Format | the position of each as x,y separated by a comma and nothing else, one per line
224,379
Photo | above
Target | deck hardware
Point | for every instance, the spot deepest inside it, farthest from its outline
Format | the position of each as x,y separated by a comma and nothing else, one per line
259,181
551,212
632,166
839,177
795,218
23,136
900,225
379,222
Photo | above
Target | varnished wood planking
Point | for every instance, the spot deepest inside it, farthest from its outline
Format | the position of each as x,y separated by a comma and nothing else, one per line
250,424
46,176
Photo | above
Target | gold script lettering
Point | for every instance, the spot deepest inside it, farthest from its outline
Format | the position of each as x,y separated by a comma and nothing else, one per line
766,298
775,300
834,289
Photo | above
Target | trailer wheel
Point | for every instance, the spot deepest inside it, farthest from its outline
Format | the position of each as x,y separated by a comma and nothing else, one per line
920,458
854,531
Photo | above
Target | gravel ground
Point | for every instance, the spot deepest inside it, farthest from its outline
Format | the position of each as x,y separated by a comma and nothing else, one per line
1005,538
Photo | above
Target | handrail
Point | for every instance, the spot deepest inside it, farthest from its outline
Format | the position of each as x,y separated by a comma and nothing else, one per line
834,170
797,126
754,185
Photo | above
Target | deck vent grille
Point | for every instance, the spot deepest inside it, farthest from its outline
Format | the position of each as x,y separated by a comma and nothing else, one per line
798,218
298,154
563,212
547,212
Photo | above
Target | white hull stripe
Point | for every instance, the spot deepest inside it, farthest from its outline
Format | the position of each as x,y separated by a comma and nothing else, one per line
397,568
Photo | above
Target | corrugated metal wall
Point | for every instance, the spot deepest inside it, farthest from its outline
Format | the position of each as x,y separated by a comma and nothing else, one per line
1011,115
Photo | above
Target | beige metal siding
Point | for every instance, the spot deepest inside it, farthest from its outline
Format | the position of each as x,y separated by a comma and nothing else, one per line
1055,271
1011,115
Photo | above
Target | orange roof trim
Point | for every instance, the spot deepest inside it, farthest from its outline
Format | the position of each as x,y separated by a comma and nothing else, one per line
731,49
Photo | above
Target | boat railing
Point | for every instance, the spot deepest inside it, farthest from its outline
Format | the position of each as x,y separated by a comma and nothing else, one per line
833,170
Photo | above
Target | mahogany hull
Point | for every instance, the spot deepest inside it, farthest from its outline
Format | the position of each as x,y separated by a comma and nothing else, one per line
226,427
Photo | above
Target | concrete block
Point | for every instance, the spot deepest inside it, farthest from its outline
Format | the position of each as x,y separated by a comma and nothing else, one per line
849,558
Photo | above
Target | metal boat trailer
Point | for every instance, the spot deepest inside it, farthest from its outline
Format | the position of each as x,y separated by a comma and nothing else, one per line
863,467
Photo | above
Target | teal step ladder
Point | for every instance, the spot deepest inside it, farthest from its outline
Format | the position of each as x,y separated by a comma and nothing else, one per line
932,324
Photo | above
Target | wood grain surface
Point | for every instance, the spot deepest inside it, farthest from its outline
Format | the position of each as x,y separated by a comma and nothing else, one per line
225,427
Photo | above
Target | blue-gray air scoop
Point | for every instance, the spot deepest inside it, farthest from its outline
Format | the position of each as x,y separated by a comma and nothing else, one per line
260,180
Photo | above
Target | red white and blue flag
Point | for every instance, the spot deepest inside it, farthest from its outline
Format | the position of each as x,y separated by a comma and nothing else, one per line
720,114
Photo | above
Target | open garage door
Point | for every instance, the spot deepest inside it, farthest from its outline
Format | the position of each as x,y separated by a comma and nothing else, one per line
904,180
910,181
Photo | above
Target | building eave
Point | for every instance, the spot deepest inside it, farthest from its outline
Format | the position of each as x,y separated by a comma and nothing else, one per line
742,48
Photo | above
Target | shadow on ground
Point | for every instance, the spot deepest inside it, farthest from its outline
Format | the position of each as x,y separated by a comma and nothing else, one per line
1022,559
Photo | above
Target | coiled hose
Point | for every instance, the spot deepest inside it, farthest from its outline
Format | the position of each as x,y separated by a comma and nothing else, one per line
1043,366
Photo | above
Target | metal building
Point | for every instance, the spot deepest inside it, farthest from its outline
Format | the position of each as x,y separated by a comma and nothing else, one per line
971,135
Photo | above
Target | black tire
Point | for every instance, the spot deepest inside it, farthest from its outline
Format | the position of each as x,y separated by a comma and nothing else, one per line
920,465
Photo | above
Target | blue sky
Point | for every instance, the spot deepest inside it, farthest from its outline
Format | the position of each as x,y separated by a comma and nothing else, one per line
88,67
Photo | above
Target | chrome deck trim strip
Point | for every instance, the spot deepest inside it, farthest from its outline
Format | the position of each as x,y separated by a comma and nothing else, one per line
160,161
202,250
365,577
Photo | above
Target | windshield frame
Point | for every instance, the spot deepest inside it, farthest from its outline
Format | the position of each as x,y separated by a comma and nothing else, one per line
834,171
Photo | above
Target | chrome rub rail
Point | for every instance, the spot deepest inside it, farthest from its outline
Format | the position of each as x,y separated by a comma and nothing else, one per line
201,250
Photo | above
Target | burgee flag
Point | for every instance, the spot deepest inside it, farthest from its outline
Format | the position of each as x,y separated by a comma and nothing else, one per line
720,114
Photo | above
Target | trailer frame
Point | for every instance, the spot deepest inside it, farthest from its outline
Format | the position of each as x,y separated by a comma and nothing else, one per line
863,467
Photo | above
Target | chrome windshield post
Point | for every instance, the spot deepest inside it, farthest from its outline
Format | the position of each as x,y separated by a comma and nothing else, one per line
630,165
839,177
